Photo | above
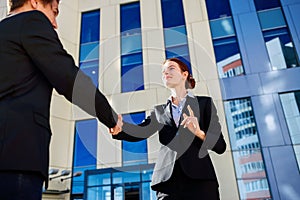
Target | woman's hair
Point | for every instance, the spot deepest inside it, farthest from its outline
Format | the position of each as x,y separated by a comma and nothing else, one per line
190,81
14,4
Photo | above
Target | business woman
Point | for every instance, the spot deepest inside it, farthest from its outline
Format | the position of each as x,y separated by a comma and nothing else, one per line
188,126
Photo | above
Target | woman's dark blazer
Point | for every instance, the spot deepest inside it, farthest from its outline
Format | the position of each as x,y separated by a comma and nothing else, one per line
32,63
179,143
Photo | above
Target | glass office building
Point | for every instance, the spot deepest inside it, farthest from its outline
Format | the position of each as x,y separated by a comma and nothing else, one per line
243,53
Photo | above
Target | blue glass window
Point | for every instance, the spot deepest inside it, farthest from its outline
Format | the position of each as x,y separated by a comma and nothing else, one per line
91,68
279,44
89,45
130,182
134,153
267,21
249,164
85,143
291,107
132,73
172,13
218,9
85,151
226,48
265,5
90,27
130,17
222,27
131,48
175,34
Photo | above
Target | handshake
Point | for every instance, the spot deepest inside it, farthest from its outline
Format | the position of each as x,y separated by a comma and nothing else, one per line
118,128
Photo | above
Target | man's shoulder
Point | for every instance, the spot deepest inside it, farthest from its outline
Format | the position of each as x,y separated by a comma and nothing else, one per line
33,14
24,16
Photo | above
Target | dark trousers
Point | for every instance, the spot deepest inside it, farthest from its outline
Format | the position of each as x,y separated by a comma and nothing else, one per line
20,186
181,187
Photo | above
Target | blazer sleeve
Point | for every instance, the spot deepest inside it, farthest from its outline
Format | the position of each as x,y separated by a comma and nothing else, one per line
44,48
214,138
134,133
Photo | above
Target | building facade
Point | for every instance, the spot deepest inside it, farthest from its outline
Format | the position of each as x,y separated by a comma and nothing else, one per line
242,53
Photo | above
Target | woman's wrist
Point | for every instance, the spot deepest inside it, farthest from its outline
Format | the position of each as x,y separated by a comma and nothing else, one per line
200,134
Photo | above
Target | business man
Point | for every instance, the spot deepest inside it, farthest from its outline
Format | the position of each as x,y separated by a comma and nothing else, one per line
32,63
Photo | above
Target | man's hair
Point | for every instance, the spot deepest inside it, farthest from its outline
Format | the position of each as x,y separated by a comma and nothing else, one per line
14,4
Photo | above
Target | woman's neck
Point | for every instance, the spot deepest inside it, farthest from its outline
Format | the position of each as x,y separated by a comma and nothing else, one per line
178,94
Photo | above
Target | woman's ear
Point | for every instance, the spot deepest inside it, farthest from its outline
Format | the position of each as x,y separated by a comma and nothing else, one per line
185,74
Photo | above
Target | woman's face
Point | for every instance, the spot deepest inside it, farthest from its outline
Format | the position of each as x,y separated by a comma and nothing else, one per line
172,75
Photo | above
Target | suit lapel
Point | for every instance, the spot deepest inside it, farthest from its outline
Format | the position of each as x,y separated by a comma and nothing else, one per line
168,111
165,114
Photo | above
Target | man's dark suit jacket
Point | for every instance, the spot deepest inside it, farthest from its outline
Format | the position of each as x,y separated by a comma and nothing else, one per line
32,63
179,143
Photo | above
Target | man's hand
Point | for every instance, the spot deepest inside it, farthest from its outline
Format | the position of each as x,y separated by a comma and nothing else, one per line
118,128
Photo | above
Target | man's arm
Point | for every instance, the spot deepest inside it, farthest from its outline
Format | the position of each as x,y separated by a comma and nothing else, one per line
47,53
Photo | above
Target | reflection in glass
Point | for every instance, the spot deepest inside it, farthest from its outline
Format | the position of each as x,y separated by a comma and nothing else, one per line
279,44
120,183
228,58
248,161
126,177
118,193
225,43
99,179
291,107
103,193
147,192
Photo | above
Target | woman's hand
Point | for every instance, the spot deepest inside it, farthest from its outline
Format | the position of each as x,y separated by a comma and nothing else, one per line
191,122
118,128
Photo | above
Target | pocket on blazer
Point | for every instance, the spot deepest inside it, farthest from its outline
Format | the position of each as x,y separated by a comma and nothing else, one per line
42,121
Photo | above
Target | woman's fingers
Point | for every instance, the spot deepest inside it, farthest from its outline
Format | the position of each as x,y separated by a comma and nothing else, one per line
185,117
190,111
189,120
